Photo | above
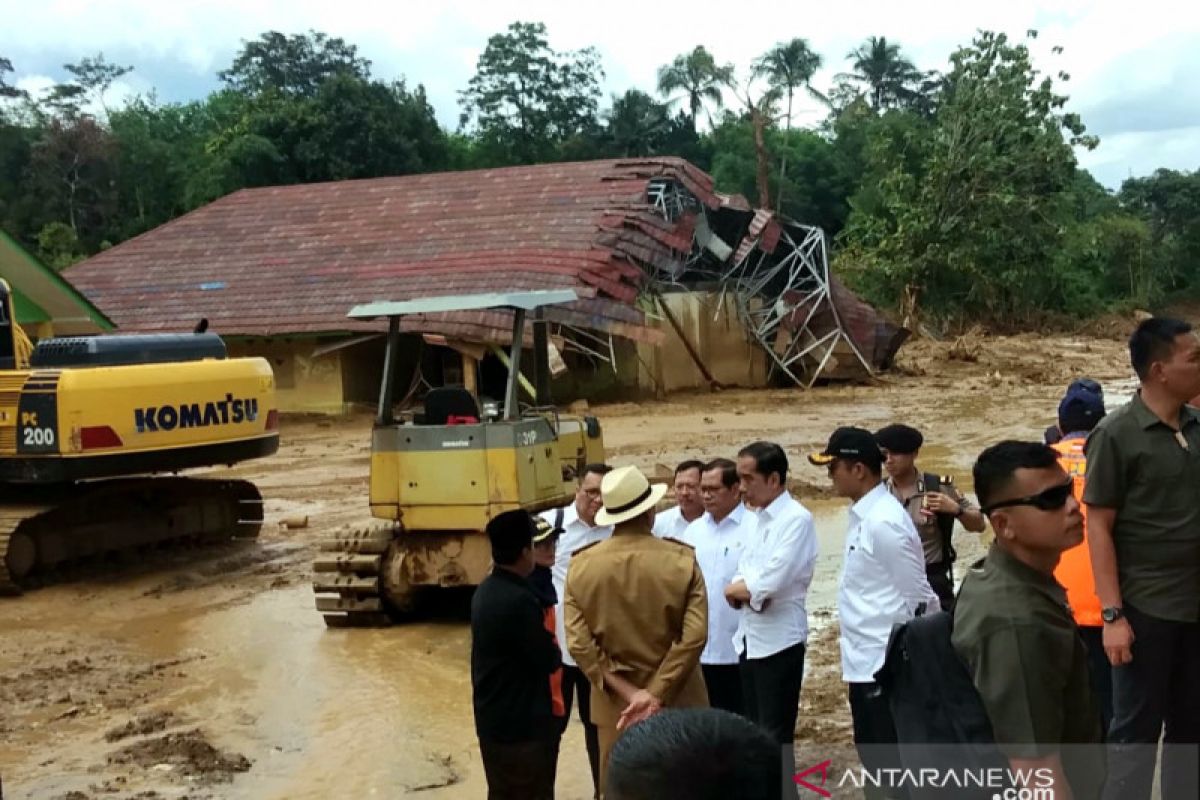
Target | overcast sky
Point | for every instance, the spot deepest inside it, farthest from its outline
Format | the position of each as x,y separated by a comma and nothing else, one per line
1133,65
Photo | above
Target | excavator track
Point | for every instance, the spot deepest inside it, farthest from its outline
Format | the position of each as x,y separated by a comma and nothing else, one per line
72,523
348,578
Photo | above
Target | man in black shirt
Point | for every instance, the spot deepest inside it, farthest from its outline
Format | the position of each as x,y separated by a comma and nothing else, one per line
512,658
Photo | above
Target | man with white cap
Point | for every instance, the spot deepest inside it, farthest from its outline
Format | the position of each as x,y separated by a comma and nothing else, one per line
636,613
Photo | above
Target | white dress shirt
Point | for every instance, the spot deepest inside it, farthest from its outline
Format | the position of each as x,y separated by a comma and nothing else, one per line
576,534
777,566
883,581
719,547
670,523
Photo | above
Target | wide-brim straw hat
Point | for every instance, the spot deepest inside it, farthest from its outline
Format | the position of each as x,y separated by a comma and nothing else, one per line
627,494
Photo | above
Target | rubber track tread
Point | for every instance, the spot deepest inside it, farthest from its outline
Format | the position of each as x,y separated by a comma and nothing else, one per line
10,518
156,498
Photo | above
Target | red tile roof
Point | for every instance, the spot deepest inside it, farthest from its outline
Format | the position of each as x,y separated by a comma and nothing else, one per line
294,259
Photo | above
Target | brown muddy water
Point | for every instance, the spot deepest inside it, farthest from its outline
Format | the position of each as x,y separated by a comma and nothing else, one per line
208,674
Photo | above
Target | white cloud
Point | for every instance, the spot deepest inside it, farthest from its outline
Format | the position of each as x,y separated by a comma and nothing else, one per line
1119,56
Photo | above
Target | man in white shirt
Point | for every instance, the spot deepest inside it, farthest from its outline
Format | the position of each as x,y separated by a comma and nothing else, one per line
672,522
770,588
577,523
883,583
718,537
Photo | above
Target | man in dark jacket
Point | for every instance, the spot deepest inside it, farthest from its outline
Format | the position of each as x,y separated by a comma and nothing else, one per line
512,658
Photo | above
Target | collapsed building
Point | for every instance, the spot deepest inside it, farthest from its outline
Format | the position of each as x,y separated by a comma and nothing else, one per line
679,285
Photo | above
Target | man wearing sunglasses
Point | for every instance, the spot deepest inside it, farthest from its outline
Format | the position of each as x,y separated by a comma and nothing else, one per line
1143,499
1014,630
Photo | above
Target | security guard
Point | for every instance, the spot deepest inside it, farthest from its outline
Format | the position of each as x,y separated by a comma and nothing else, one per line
932,502
637,614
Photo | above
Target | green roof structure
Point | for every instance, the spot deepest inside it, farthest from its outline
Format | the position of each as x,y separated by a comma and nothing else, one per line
41,295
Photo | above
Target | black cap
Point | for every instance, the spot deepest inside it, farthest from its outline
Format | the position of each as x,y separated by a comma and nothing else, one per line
511,530
545,530
852,444
899,439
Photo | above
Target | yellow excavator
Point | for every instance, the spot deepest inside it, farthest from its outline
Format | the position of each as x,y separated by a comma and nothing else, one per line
89,424
439,476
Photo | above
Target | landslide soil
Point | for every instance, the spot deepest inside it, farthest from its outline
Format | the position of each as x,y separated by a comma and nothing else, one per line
208,673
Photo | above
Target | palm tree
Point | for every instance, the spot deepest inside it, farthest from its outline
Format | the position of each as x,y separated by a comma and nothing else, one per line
637,124
698,77
787,66
879,67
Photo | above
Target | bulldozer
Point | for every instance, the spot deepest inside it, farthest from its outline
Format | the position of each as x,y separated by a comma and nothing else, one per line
93,430
439,476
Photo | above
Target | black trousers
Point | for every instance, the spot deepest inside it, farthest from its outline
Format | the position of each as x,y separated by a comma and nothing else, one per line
576,683
875,736
941,580
771,691
1156,693
724,683
1100,673
771,698
519,770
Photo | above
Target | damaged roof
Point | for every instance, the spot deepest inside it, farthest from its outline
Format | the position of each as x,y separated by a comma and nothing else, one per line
295,259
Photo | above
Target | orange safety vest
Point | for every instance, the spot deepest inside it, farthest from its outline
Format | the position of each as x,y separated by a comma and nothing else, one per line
557,707
1074,569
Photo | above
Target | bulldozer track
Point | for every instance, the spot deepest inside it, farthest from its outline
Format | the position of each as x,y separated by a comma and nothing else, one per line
347,578
77,522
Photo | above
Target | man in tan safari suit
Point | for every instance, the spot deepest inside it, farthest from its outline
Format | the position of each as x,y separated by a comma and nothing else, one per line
636,614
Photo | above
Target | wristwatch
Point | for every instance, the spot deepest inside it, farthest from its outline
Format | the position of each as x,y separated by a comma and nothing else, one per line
961,510
1112,613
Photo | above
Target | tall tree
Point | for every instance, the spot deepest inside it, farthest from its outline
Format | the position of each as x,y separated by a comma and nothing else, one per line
786,67
7,90
977,223
636,124
1169,202
883,72
294,65
698,77
526,100
94,77
73,164
760,110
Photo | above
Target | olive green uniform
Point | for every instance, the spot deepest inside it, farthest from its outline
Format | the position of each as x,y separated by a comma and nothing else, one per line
1014,630
1137,465
1148,472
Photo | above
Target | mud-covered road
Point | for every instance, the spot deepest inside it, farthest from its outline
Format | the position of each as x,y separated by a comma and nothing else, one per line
208,674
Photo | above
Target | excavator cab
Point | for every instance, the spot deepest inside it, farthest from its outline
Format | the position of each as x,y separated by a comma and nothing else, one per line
441,475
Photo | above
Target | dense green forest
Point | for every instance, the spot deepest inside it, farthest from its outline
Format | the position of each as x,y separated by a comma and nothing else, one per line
955,192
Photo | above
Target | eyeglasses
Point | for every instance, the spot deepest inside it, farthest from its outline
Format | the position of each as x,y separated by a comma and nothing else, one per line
1047,500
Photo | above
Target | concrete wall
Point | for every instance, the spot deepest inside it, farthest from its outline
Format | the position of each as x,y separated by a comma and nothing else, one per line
304,381
331,382
715,333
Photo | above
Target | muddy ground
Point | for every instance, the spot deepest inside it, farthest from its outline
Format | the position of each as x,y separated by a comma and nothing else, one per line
208,674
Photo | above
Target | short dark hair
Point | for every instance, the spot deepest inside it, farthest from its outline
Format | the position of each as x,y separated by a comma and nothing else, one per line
768,458
729,476
510,533
691,463
701,753
1154,340
595,469
995,467
873,465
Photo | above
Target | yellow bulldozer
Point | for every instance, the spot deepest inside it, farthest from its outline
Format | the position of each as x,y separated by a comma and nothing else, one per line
439,476
89,426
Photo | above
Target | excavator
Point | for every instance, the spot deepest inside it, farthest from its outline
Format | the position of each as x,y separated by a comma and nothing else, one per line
93,430
438,476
